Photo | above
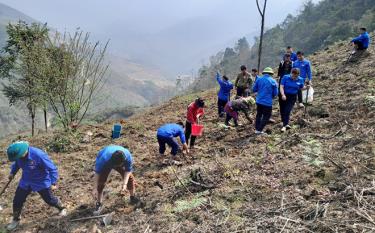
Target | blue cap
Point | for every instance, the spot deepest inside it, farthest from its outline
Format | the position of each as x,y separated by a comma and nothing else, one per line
17,150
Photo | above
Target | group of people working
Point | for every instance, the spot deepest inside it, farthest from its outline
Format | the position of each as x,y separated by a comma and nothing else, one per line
294,73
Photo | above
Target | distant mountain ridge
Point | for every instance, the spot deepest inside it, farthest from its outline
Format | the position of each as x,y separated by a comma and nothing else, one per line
128,84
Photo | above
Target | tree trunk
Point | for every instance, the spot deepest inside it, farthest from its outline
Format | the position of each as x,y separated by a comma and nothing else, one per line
260,44
263,15
45,120
32,122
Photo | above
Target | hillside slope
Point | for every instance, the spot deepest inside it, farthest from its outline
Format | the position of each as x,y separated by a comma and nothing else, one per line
318,177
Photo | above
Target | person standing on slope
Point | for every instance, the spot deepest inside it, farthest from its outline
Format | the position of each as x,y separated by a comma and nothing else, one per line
233,107
293,55
266,89
290,85
304,67
243,83
166,135
362,41
285,67
254,73
119,159
195,111
39,174
224,93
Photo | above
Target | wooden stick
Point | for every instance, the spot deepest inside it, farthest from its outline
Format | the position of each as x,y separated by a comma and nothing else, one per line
5,187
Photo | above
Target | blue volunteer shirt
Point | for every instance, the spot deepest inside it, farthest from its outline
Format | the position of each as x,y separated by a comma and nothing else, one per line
364,38
102,160
291,86
266,87
171,131
225,88
38,171
293,57
304,67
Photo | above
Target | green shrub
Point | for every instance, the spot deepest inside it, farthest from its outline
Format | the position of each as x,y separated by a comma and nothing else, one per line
63,142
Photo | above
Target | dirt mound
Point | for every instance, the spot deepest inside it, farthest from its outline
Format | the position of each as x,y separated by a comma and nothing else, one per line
317,177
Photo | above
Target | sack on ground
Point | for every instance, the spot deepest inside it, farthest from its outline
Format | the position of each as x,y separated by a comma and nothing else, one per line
308,96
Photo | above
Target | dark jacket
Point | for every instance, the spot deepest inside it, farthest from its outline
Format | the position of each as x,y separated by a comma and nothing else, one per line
284,69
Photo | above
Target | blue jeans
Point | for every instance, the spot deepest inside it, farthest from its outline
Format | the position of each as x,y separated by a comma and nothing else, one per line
171,142
263,116
21,195
286,107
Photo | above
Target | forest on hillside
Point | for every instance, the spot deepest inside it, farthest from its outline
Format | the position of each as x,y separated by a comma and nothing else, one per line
316,27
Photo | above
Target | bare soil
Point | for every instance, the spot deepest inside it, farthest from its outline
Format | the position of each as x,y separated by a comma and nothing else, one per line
317,177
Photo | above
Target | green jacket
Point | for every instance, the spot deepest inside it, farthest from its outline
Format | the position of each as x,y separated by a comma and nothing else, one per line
244,81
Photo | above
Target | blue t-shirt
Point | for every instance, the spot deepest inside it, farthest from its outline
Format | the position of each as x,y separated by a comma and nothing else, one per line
171,131
304,67
266,87
38,171
291,86
102,160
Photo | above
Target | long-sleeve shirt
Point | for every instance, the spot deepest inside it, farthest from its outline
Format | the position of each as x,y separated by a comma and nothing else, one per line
103,158
364,38
266,87
291,86
171,131
225,87
38,170
304,67
244,81
284,68
192,112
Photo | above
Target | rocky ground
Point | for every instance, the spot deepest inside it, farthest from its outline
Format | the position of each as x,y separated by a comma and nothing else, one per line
317,177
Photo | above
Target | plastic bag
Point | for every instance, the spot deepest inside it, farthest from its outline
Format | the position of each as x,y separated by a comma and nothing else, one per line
308,95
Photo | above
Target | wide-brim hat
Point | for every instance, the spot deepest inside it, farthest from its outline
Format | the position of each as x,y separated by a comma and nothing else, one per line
268,70
17,150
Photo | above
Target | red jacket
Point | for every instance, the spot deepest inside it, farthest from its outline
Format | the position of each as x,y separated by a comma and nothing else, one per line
192,111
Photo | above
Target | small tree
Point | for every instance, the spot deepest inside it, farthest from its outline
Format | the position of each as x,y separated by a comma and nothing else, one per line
76,72
21,62
262,13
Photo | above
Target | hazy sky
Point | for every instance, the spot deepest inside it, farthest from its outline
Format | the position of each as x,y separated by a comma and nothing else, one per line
148,15
173,35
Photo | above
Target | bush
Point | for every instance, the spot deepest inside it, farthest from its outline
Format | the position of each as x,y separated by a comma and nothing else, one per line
63,142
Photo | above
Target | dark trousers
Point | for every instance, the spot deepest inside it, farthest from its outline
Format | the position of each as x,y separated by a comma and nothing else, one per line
241,91
359,45
188,135
286,107
220,106
21,195
171,142
263,116
300,100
